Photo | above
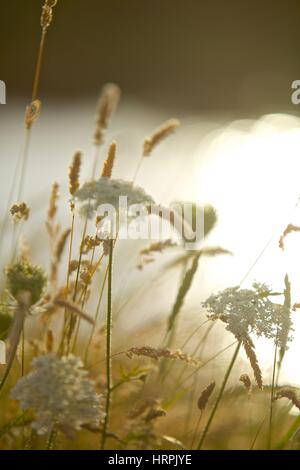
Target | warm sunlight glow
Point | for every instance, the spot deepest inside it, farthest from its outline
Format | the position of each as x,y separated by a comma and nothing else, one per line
250,171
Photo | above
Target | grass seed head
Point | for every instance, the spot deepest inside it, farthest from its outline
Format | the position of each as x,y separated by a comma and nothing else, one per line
32,113
160,134
205,395
20,211
74,173
109,162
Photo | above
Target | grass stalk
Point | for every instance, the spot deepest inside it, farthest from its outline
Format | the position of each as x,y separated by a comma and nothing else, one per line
109,383
269,446
216,405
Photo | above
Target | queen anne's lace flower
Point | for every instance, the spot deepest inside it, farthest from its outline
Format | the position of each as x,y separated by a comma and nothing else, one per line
250,310
60,393
108,191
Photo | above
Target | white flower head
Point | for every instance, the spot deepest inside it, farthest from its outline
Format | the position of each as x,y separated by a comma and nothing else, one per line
60,393
108,191
250,310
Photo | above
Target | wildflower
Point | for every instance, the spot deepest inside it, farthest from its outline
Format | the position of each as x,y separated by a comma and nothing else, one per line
23,277
60,393
108,191
251,311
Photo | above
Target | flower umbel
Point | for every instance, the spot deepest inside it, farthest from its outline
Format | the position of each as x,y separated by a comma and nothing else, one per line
108,191
60,393
251,311
23,277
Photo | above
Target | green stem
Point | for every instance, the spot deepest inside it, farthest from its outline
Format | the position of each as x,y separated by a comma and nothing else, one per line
271,400
51,440
96,317
109,383
213,412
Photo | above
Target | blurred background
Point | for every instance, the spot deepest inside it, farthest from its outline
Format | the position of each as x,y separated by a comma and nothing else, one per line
224,69
234,56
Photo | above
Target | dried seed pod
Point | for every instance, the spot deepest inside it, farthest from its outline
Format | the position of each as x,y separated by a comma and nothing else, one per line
32,113
250,351
108,102
74,172
73,266
289,229
158,353
46,17
52,210
205,395
109,162
290,393
246,381
20,211
160,134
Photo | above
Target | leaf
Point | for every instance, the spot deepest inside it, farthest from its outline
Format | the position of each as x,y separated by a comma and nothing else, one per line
209,251
183,290
74,309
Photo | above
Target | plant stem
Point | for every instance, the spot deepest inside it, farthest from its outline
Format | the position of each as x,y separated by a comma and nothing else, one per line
37,75
271,401
109,383
51,440
196,429
96,316
14,338
213,412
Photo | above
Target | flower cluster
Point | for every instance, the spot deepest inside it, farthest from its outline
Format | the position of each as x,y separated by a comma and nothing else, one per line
60,393
251,311
108,191
23,277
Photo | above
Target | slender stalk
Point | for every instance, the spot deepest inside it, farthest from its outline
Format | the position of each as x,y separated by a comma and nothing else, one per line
14,338
179,382
38,67
72,321
83,299
95,162
109,383
51,439
65,323
137,170
196,429
258,432
215,407
96,316
271,399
